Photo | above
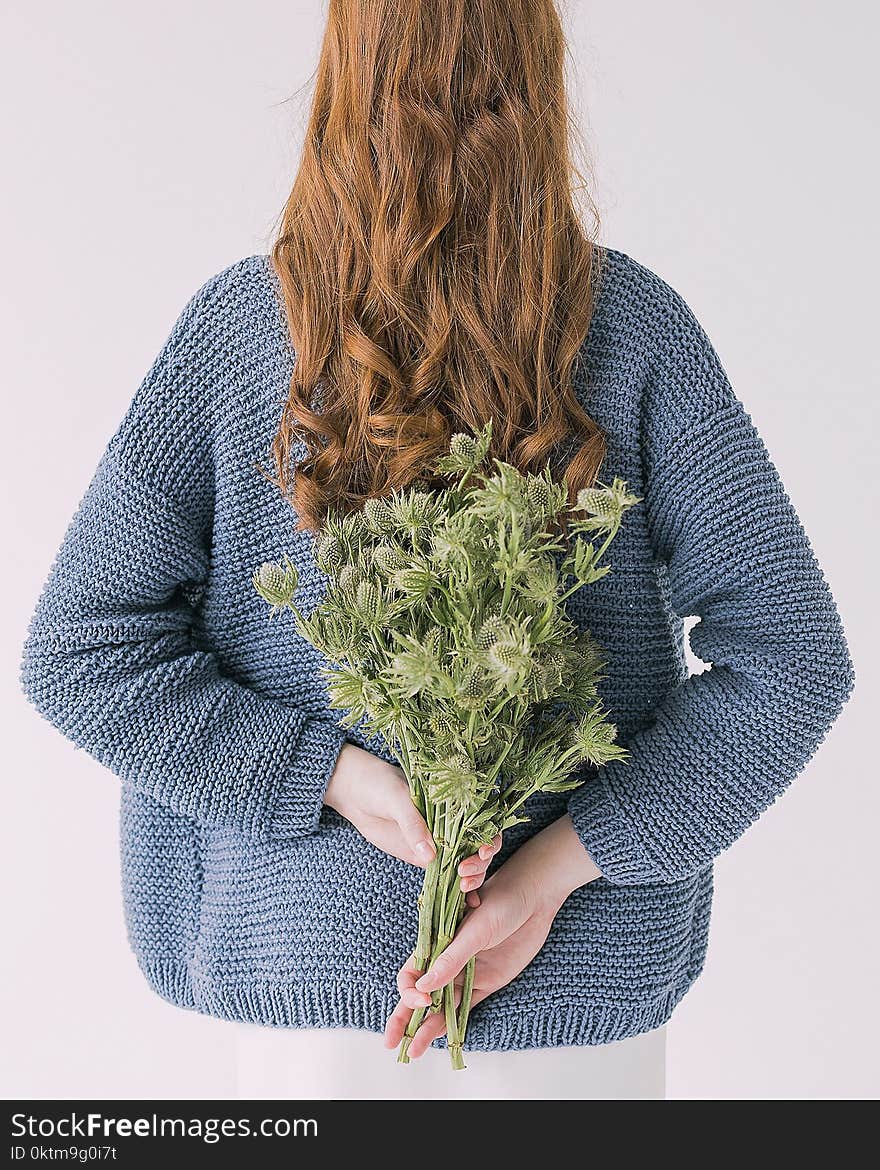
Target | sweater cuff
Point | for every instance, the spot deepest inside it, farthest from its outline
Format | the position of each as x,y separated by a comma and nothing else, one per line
301,795
608,838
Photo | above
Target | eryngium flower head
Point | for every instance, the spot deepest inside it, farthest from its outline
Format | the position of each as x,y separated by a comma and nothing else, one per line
493,629
389,558
594,738
506,651
415,668
348,578
545,497
276,583
475,692
442,729
415,582
416,511
369,603
328,553
466,452
605,505
453,778
380,516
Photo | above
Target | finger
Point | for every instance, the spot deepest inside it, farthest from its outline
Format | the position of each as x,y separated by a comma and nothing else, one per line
480,861
473,866
415,832
396,1025
434,1026
487,852
473,937
406,986
473,900
472,876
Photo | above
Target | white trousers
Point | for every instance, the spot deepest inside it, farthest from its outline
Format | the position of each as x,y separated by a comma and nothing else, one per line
344,1064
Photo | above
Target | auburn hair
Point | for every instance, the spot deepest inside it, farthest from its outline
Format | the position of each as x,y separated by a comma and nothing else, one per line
434,268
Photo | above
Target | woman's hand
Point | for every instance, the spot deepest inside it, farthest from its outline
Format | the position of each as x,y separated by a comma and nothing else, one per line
374,796
505,928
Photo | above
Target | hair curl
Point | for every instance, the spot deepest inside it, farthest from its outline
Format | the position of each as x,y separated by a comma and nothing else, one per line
434,269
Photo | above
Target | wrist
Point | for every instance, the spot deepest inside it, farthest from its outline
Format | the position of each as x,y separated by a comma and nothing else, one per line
334,794
567,864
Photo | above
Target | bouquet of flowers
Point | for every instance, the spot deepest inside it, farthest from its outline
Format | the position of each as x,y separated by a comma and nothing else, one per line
445,633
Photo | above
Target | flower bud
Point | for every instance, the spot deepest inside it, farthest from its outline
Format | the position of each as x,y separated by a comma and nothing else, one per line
276,583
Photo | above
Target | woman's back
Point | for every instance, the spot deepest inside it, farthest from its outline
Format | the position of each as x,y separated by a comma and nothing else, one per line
248,900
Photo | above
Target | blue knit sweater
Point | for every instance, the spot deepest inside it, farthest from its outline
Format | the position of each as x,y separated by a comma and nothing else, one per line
244,897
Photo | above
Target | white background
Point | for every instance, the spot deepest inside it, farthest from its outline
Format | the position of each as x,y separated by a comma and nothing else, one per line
148,146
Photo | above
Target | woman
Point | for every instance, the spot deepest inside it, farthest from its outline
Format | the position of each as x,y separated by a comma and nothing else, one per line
430,273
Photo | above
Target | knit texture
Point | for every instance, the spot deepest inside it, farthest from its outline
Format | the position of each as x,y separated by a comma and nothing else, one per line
245,898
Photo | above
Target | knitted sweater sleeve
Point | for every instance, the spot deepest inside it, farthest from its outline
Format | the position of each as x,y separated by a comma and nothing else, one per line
723,744
111,658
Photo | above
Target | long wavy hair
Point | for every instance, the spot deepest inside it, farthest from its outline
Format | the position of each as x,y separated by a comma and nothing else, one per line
434,268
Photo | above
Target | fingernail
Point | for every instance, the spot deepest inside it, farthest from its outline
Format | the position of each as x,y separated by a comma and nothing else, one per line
424,851
468,870
485,852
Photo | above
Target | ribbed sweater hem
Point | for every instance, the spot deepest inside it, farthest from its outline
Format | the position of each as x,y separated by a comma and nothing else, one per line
348,1005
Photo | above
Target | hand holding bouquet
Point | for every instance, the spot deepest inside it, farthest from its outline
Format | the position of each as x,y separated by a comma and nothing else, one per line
445,631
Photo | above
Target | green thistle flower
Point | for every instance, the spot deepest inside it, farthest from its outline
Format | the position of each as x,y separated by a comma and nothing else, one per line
466,453
593,738
379,516
416,511
606,505
474,692
369,603
349,577
276,584
441,728
389,559
493,630
509,659
328,553
597,502
417,583
545,498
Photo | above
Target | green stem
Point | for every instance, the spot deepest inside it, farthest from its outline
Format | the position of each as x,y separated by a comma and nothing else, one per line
427,899
596,559
452,1032
496,767
454,909
415,1021
440,911
505,597
467,992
